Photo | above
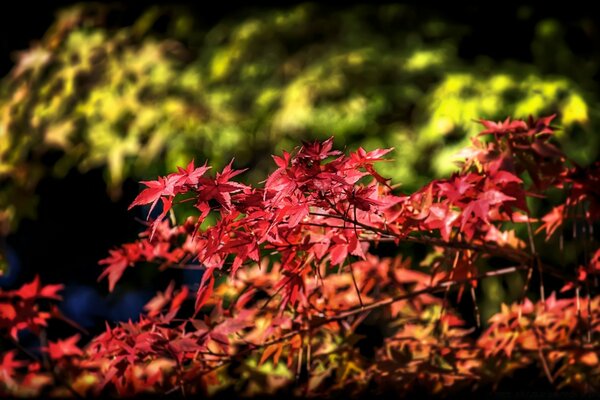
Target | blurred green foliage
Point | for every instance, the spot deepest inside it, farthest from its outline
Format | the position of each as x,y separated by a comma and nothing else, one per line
144,98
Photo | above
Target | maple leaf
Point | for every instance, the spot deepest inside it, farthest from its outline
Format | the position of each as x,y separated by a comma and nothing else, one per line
64,347
363,198
345,244
19,309
220,188
481,206
376,175
317,151
7,314
338,253
295,213
493,197
205,289
504,238
506,177
553,220
540,126
459,187
502,127
273,350
8,366
162,299
442,218
167,203
228,173
283,162
117,262
361,157
156,189
320,245
189,175
34,290
546,149
553,304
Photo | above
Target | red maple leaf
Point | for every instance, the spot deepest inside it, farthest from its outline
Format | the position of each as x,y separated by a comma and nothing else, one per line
221,187
189,175
116,264
156,189
317,151
8,366
64,347
34,290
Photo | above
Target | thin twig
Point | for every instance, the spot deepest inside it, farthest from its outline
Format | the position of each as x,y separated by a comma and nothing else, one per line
543,358
524,291
356,285
476,307
537,261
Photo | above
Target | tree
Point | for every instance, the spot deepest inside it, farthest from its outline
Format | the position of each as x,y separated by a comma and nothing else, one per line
295,269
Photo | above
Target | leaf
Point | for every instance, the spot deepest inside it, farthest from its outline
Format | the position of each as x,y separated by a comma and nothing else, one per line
273,350
546,149
296,214
179,298
245,298
338,253
7,312
117,262
156,189
361,157
318,151
8,366
190,175
502,127
377,177
167,203
590,359
34,290
493,197
205,289
221,187
553,220
64,348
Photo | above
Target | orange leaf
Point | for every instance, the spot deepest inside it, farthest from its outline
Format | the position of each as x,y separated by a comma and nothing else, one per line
275,350
590,359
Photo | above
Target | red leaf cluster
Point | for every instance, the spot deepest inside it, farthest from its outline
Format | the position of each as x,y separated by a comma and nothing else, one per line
290,278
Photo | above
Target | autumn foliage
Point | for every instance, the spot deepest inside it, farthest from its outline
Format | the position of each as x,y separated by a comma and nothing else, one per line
295,268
